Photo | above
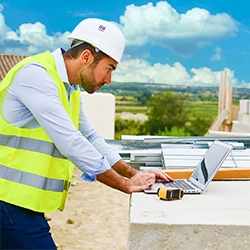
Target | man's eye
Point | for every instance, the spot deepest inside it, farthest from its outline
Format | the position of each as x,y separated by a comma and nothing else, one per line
109,69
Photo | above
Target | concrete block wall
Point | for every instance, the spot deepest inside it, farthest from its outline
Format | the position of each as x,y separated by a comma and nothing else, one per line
243,123
100,109
245,106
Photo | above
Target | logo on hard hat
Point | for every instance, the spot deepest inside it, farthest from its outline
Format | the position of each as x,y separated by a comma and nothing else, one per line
101,28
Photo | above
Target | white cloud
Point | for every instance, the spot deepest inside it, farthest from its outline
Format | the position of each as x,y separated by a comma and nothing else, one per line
217,55
3,27
142,71
159,25
29,39
176,74
183,33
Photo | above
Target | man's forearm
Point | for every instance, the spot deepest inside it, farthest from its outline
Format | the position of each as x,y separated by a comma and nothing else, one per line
124,169
135,181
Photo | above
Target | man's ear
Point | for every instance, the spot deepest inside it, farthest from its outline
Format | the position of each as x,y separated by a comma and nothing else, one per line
86,57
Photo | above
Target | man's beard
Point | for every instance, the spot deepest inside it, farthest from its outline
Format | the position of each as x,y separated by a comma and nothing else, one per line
88,81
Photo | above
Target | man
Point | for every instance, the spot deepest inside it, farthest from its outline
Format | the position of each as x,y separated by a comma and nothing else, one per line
44,133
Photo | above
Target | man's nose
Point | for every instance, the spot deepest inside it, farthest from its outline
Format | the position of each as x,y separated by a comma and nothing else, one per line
107,79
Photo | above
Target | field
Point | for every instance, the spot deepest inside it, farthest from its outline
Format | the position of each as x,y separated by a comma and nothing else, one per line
132,97
131,109
204,108
130,104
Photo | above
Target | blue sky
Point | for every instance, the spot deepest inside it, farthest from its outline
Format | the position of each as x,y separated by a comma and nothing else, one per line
173,42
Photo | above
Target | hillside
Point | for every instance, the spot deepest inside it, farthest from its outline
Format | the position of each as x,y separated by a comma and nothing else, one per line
138,89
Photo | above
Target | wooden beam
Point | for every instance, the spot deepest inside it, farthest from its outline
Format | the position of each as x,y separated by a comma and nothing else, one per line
224,98
220,108
230,100
223,173
219,120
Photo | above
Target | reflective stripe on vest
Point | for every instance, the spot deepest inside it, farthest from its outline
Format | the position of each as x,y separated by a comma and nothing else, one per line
31,145
33,180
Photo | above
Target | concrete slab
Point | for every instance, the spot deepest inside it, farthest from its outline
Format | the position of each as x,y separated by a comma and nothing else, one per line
216,219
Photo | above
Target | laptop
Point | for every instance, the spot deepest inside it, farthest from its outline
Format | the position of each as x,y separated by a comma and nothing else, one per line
203,173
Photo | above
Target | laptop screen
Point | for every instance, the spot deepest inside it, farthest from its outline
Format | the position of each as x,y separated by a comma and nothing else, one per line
210,163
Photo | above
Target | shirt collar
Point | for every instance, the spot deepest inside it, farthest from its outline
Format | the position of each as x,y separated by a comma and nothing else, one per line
60,66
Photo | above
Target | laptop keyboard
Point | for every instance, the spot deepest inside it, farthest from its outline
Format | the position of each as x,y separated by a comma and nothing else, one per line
179,184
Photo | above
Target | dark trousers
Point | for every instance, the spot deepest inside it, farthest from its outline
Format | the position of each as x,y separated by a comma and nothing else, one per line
23,229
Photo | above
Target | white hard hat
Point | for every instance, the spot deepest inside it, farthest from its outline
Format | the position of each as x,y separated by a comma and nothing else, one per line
101,34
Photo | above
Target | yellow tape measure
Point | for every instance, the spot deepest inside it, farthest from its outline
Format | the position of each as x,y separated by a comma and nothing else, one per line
169,194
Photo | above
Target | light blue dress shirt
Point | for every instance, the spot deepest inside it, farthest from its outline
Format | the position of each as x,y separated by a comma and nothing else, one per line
32,100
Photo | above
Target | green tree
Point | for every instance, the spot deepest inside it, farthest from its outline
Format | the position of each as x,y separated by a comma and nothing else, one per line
144,97
166,110
199,124
127,127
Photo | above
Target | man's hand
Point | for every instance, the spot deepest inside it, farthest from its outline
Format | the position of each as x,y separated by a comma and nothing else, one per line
140,181
160,175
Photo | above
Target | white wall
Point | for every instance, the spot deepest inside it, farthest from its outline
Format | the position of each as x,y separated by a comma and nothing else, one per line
244,113
100,109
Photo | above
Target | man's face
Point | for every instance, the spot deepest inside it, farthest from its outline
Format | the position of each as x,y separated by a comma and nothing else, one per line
95,76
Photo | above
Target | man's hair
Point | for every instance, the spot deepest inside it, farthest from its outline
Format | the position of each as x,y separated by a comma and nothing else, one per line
75,51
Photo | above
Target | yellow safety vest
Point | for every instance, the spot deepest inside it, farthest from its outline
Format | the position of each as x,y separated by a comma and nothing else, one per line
33,173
